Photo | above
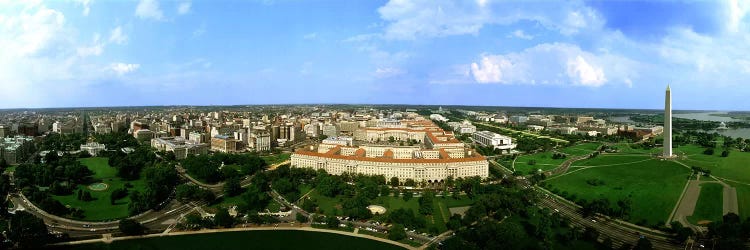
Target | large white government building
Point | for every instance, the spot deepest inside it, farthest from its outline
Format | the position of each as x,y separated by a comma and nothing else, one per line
441,154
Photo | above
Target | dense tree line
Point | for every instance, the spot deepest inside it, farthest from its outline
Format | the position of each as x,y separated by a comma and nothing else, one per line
117,140
129,166
730,233
208,167
160,178
62,142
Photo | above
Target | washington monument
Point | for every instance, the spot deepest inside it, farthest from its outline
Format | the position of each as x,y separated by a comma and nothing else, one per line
668,124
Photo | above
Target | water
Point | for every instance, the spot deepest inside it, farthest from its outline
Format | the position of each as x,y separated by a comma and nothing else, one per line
707,116
734,133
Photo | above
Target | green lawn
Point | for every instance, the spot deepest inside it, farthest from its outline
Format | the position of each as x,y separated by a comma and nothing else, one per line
100,208
10,168
743,199
710,204
654,186
611,160
327,204
626,148
273,159
246,240
545,162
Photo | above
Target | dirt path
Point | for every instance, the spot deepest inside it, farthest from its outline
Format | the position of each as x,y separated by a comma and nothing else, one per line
687,203
730,200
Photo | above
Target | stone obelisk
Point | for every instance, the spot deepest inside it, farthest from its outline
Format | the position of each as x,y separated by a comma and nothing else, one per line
668,124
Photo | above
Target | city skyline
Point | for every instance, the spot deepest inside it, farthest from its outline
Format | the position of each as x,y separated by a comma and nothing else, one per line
565,54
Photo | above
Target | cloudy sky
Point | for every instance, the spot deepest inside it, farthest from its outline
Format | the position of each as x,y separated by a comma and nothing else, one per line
610,54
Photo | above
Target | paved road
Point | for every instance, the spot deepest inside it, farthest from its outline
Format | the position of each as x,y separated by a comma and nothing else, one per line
607,228
237,229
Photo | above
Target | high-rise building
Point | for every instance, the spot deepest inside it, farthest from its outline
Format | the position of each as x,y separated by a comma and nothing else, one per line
668,123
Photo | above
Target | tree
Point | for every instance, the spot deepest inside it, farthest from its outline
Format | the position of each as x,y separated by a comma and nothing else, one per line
332,222
185,192
87,196
3,164
425,203
254,199
397,232
643,244
394,181
222,218
410,183
27,230
391,139
709,151
725,153
117,194
301,218
232,187
408,195
131,227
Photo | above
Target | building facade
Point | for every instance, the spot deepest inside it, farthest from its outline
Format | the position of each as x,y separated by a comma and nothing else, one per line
432,166
494,140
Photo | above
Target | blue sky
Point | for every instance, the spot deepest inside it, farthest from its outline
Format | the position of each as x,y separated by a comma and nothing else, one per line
609,54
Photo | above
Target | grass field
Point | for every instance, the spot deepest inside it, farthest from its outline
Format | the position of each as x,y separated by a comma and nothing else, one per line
272,240
710,204
611,160
439,216
273,159
743,199
545,162
100,208
654,186
734,167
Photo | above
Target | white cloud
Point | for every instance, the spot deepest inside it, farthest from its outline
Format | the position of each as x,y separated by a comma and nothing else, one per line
585,74
388,72
553,64
310,36
86,4
116,36
200,30
123,68
183,8
94,50
41,61
149,9
520,34
489,70
409,20
738,10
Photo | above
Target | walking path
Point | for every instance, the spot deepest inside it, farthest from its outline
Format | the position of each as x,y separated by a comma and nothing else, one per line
686,205
205,231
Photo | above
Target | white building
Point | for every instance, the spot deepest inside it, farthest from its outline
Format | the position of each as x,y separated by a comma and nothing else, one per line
259,141
517,119
330,130
494,140
563,130
93,148
438,117
429,165
181,147
339,140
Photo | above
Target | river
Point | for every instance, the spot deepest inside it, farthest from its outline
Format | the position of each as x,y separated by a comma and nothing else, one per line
707,116
711,116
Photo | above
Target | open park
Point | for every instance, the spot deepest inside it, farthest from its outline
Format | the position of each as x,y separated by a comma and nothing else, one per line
694,188
105,181
546,160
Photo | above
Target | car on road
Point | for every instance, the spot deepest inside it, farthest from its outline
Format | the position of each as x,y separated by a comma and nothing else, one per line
86,225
